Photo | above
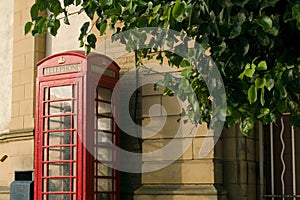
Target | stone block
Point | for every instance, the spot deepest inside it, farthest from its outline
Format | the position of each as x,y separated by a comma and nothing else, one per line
241,148
251,149
26,107
25,148
16,123
15,109
27,76
19,32
23,46
180,192
243,172
28,122
202,130
20,5
252,173
148,102
27,163
218,169
29,91
186,172
167,149
252,192
165,127
29,60
37,57
234,191
15,163
17,24
148,89
218,150
16,78
198,145
229,148
130,58
171,105
19,62
229,132
25,15
121,60
4,195
230,172
40,43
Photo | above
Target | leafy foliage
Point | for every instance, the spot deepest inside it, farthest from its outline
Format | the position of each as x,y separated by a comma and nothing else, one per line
255,45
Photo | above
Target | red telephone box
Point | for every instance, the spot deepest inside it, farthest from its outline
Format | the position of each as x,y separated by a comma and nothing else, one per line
75,131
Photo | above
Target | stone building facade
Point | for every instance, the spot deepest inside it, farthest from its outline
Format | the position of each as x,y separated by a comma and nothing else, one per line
229,171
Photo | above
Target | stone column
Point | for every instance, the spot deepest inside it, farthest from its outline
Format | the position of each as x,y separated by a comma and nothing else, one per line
188,177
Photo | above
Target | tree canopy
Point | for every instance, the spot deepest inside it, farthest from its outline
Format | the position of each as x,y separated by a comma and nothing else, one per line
255,45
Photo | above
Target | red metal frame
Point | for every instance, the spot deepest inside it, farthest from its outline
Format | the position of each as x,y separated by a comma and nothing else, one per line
85,81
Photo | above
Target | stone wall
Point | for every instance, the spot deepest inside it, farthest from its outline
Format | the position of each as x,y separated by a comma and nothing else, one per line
240,163
17,142
6,32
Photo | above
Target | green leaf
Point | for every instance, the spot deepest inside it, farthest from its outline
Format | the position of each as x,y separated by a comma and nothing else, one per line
34,11
296,12
56,8
106,2
263,112
150,4
236,31
68,2
262,96
252,94
282,91
178,10
260,82
84,28
266,23
265,4
186,72
270,83
55,27
77,2
241,76
243,45
103,28
240,2
87,49
91,39
219,49
246,126
156,8
113,11
264,39
249,72
262,65
28,26
282,106
185,63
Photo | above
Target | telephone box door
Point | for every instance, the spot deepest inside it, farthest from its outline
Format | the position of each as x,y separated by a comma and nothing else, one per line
60,165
